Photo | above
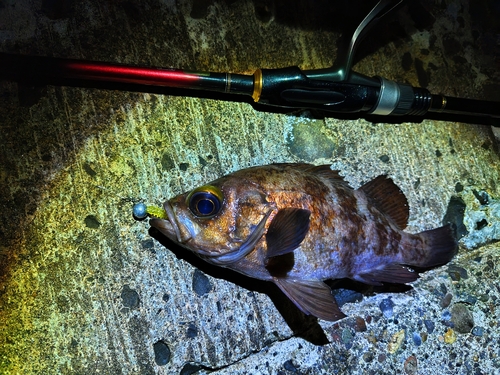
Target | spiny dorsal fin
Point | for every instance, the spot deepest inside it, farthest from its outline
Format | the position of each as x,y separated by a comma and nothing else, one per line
389,199
287,231
324,171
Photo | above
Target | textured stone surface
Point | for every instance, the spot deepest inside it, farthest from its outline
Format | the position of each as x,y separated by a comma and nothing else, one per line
86,289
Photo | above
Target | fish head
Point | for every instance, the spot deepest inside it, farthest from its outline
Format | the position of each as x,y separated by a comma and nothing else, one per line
221,221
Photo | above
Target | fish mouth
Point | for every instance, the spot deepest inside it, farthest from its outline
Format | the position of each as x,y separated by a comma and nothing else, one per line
173,222
169,227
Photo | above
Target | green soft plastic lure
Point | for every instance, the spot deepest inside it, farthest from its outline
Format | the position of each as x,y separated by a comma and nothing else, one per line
141,211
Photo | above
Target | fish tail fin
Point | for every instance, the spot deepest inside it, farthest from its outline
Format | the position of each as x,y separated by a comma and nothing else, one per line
438,247
419,252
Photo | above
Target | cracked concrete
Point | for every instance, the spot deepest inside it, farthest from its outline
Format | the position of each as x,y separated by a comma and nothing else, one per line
87,289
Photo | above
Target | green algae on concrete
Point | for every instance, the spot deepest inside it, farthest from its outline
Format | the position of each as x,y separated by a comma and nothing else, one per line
309,140
83,242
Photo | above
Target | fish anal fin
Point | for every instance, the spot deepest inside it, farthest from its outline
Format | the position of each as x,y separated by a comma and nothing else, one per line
391,273
286,231
388,198
312,297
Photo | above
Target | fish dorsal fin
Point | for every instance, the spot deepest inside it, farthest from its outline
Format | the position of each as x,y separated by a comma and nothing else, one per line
325,172
388,198
312,297
287,231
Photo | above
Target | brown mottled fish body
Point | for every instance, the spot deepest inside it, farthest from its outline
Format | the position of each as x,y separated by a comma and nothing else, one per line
298,224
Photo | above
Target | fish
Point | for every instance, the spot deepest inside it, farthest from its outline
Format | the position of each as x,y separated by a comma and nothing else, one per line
297,225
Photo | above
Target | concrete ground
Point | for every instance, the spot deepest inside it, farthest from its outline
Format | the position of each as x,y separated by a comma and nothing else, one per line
86,289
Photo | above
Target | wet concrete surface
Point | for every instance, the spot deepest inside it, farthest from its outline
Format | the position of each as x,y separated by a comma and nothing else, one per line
87,289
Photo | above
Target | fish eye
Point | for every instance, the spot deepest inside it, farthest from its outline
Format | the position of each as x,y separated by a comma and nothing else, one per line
205,201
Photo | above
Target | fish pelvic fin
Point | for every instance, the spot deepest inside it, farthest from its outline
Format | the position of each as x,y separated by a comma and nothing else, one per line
312,297
384,194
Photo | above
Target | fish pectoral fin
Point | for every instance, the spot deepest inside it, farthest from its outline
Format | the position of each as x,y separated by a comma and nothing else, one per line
312,297
287,230
391,273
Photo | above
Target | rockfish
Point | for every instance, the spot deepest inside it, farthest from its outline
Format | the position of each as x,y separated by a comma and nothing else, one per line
299,224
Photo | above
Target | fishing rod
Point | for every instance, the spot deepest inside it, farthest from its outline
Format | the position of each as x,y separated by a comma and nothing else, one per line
337,89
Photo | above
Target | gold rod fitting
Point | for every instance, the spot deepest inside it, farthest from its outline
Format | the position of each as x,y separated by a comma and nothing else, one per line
443,103
257,85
